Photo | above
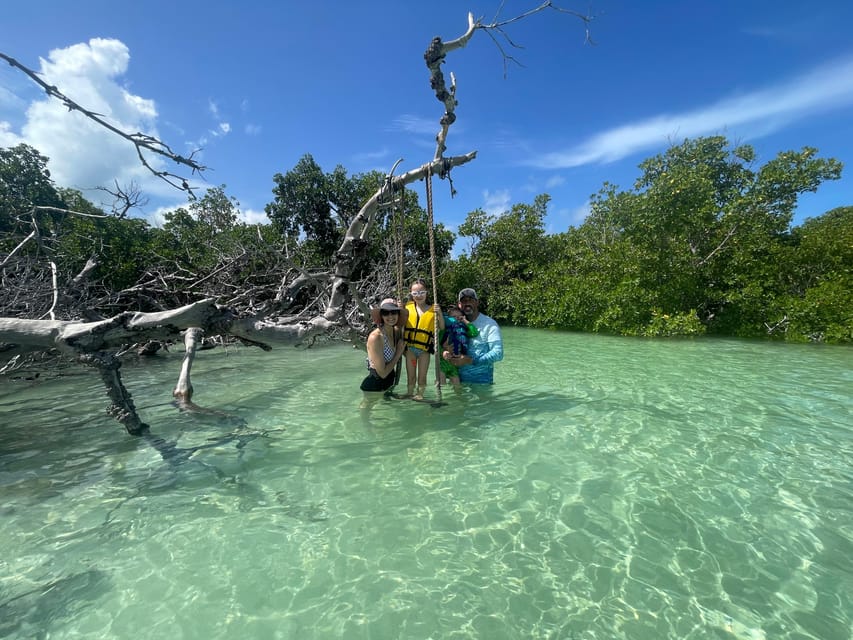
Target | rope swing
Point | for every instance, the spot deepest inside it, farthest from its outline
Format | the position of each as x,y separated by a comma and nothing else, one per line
434,282
398,205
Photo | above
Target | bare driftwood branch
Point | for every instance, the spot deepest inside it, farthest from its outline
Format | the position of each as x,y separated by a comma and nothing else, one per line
140,141
438,50
354,244
125,198
92,343
73,337
183,392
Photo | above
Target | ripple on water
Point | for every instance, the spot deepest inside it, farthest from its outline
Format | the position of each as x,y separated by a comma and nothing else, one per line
604,488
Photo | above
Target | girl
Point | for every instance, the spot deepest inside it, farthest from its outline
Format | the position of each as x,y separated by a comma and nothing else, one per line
420,338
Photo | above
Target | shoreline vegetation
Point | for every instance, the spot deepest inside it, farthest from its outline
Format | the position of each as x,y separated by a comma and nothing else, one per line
702,245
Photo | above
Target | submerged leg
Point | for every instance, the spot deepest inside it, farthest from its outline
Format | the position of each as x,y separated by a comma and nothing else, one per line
411,373
423,369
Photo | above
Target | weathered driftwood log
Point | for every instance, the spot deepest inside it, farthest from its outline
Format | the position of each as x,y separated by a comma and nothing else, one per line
95,343
183,392
73,337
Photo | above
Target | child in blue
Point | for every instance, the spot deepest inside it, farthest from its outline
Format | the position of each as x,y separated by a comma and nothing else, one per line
455,342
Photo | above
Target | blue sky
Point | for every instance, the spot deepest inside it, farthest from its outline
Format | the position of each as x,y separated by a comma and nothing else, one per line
256,85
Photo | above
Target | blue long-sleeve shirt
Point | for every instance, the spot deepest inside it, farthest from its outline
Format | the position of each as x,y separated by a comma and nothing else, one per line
484,350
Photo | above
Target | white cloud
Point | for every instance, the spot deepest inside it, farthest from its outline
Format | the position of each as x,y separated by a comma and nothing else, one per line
223,127
8,138
251,216
372,157
415,124
496,202
157,218
756,114
554,181
82,153
9,101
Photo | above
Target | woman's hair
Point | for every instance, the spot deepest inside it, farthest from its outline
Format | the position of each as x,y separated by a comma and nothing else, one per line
420,281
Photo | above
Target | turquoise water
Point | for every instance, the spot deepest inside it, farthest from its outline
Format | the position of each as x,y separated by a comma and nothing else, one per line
603,488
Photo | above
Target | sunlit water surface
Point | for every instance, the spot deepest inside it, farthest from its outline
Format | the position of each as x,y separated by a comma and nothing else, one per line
603,488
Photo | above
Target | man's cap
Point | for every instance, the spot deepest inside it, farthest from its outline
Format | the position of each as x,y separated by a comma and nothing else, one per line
467,293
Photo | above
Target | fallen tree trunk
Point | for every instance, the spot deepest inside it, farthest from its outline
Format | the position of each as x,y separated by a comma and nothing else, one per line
73,337
95,343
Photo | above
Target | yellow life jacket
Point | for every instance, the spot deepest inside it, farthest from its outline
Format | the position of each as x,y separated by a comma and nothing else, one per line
420,328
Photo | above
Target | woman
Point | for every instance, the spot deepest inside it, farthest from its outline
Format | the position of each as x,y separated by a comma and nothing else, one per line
420,338
384,350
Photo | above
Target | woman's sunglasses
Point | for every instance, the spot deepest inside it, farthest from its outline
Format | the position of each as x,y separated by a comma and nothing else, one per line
383,312
419,293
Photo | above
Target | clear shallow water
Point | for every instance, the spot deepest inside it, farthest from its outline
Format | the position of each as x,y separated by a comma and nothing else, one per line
603,488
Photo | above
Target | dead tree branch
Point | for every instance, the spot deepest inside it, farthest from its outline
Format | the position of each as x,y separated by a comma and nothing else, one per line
140,141
125,198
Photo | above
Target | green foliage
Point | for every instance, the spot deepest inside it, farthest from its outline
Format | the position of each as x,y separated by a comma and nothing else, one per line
824,314
460,273
412,219
663,325
820,304
196,238
24,183
121,247
312,210
701,244
824,247
216,210
507,250
307,205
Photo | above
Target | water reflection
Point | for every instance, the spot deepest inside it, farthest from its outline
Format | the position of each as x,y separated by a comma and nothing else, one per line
600,490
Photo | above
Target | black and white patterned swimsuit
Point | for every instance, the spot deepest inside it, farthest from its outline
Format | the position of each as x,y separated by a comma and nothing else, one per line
387,353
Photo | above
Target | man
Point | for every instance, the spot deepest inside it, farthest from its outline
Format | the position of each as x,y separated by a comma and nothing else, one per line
483,350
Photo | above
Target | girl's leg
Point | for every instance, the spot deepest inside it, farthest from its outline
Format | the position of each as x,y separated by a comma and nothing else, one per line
411,372
423,368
